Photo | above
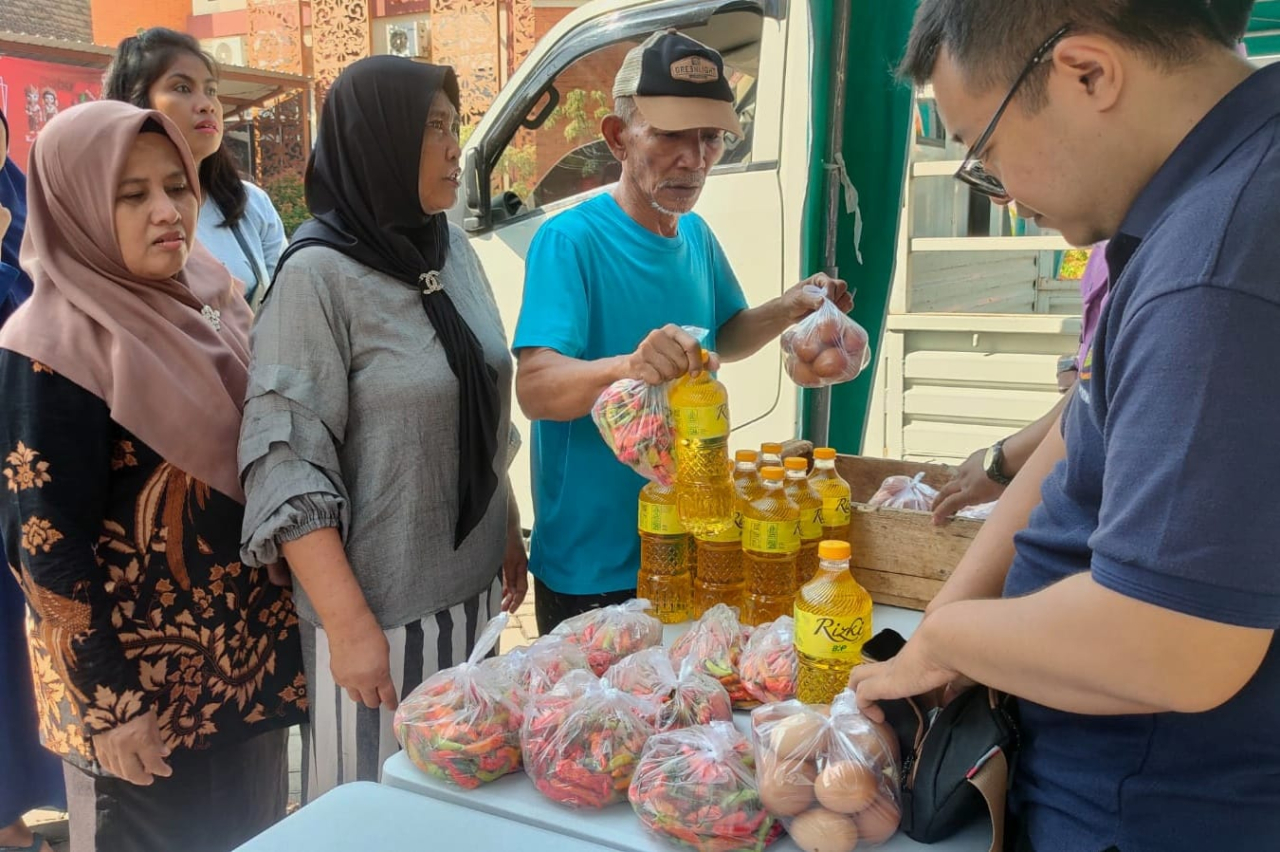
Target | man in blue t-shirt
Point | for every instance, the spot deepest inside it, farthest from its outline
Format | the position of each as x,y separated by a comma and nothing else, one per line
608,286
1127,587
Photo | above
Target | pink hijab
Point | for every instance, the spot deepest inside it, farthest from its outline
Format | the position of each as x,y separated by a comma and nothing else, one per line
149,349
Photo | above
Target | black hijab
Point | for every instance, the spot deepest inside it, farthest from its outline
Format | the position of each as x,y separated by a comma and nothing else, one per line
362,191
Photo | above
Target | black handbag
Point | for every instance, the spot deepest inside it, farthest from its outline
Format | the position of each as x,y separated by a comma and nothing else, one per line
957,760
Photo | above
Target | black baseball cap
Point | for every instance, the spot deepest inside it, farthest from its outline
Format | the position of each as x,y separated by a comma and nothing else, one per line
678,84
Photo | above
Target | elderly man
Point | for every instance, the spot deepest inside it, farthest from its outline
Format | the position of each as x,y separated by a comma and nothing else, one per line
608,285
1126,586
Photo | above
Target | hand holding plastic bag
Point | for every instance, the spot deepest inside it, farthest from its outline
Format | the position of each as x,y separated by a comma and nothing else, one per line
826,347
697,787
904,492
462,725
634,419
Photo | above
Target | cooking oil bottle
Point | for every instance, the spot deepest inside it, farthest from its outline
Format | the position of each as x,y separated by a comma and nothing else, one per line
746,483
805,496
833,620
704,489
770,455
718,578
770,544
836,498
665,554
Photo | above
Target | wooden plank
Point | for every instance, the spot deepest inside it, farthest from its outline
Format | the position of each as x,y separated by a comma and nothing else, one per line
936,168
986,323
897,589
907,543
1045,242
902,603
899,556
894,418
1005,368
865,474
952,440
977,403
976,264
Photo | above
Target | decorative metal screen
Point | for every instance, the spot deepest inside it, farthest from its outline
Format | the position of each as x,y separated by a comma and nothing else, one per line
339,36
275,35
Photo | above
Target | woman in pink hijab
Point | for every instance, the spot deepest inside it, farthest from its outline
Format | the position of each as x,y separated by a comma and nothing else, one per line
166,672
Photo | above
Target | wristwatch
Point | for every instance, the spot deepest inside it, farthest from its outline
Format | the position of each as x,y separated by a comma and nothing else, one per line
994,464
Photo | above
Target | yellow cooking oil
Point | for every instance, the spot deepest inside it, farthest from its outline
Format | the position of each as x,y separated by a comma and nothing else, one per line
665,554
704,489
837,501
832,621
804,495
746,483
718,578
720,556
770,545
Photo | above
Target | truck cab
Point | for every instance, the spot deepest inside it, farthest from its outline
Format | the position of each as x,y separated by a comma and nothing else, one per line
538,152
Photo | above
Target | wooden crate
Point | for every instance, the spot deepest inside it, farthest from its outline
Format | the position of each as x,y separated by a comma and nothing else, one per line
899,556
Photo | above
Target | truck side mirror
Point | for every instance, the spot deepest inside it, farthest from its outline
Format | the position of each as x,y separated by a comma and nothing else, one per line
476,214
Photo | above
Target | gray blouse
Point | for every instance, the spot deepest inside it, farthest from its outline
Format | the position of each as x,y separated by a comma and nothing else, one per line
351,421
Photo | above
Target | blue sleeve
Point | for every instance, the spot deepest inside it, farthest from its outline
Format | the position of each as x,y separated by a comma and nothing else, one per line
554,311
1190,498
727,292
273,238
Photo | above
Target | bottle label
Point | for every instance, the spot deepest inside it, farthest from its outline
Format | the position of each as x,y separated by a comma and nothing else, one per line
701,422
730,536
811,523
771,536
829,637
836,511
659,519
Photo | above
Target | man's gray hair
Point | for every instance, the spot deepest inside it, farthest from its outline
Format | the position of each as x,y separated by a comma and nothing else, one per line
625,108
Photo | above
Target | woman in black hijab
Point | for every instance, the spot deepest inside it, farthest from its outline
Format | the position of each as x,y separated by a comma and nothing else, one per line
377,424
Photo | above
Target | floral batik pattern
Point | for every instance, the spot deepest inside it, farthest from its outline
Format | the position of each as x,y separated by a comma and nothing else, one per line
137,599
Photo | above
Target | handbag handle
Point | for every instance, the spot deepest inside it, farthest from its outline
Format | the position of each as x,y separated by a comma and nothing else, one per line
990,777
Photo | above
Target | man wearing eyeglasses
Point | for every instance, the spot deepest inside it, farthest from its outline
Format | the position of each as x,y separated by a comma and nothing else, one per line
1135,612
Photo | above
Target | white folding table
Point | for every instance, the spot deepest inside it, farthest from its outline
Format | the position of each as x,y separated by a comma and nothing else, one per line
377,818
617,827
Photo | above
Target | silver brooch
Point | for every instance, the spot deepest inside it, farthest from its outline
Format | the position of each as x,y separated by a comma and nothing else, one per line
213,317
431,282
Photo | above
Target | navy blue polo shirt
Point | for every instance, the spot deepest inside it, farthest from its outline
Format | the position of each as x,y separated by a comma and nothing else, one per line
1170,494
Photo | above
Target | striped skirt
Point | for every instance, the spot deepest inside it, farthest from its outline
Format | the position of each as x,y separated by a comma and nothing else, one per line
347,741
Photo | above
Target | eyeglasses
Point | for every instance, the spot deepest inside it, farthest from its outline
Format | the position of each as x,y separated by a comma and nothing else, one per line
438,130
971,171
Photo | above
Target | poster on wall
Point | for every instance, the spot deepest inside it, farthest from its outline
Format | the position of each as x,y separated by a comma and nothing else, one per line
33,92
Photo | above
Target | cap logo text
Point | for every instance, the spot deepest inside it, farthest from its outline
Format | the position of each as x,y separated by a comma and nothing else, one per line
695,69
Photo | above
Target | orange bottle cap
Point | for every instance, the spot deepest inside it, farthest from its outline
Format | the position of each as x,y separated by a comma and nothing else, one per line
771,449
795,463
745,455
773,472
824,453
835,551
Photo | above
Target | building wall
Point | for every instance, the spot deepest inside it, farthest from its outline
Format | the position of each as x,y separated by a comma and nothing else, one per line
65,19
114,20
